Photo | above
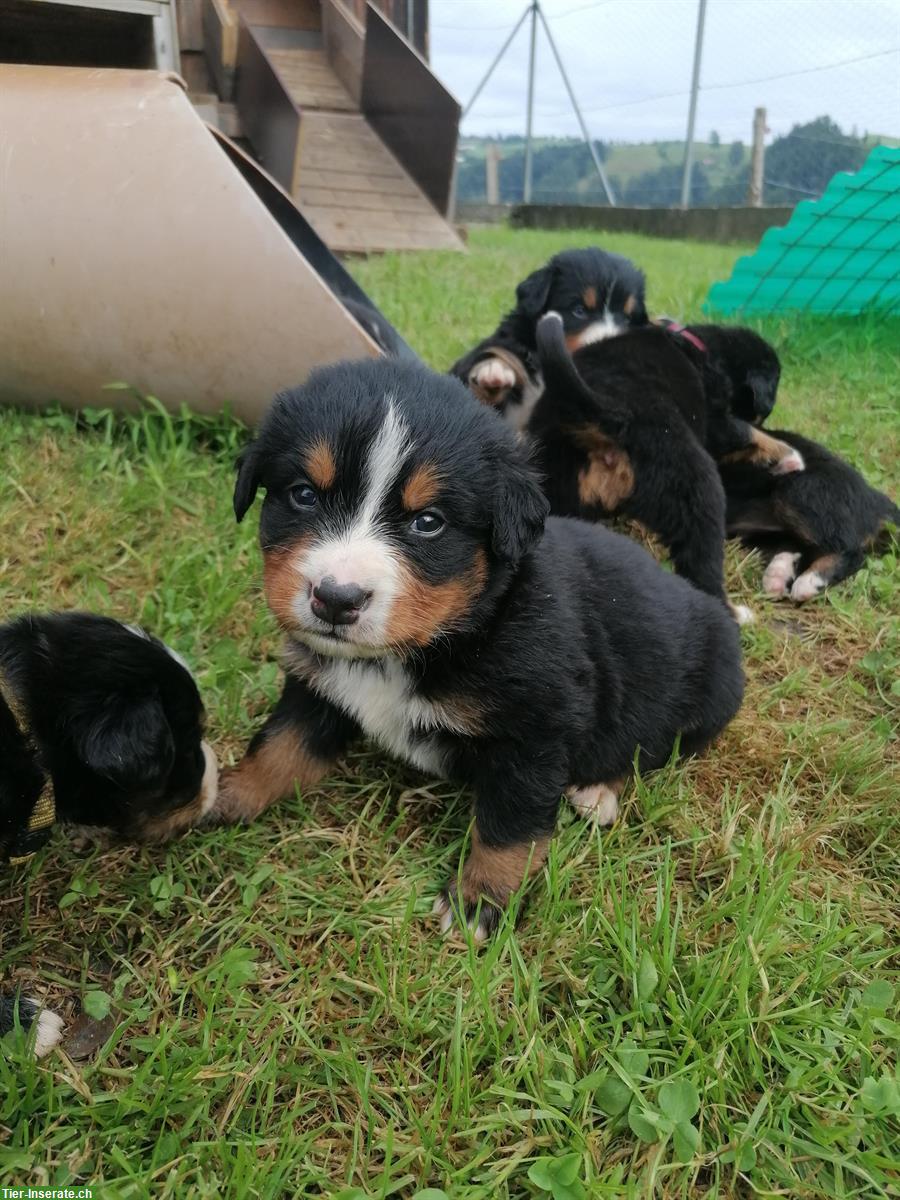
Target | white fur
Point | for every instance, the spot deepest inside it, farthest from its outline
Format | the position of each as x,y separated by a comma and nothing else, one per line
358,553
742,614
48,1028
443,909
598,803
209,785
789,464
600,331
780,572
807,585
380,697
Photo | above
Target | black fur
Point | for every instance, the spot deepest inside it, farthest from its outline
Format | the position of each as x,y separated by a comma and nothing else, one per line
118,725
576,652
826,512
749,364
642,393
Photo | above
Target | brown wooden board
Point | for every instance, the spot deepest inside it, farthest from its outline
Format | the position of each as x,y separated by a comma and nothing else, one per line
410,110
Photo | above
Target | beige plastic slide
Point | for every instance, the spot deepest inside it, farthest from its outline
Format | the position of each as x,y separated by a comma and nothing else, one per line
133,249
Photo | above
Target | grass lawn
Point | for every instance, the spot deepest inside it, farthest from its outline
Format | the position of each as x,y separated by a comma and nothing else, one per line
700,1001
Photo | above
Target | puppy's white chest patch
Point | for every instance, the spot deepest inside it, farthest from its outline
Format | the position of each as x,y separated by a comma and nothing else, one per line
379,696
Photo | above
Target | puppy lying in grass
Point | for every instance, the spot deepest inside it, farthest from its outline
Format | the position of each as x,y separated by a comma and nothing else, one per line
101,726
429,603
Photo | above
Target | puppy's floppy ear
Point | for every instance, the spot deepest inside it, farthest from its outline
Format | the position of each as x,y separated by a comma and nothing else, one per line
127,740
532,293
247,483
520,508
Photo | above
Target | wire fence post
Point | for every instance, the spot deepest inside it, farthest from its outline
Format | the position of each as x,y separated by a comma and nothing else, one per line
529,118
692,109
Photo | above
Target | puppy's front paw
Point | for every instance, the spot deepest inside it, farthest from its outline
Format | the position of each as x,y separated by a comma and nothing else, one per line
780,573
480,914
599,803
791,462
491,379
807,585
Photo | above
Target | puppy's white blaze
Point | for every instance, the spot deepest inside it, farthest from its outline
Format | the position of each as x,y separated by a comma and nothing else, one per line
385,458
807,585
780,573
47,1031
209,785
599,331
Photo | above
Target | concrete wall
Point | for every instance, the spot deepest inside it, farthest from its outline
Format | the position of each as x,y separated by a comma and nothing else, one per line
700,224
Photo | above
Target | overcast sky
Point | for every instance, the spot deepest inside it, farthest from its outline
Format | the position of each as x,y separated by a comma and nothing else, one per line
629,62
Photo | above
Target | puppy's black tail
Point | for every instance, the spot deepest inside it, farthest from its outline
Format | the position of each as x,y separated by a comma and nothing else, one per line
573,400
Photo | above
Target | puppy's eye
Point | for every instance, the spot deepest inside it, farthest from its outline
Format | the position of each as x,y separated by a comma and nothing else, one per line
428,523
579,311
302,495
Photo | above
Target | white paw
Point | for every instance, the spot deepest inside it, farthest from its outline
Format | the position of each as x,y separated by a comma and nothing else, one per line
443,909
807,585
780,573
48,1031
599,804
789,464
742,614
493,374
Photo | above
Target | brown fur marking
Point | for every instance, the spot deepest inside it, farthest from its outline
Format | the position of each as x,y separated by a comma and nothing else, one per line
422,610
282,581
496,872
171,824
629,306
824,565
608,478
267,775
320,465
589,296
763,449
421,488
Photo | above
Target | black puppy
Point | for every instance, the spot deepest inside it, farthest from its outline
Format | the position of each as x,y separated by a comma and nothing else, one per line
815,527
404,558
100,725
597,294
749,364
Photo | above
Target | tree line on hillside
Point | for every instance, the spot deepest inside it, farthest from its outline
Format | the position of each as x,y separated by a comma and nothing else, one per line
798,165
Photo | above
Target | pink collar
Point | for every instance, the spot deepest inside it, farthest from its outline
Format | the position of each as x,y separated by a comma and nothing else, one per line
683,331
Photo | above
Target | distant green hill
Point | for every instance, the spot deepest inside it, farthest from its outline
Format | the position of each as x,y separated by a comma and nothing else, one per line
798,164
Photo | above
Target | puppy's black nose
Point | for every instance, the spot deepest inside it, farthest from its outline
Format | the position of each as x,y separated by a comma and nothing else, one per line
338,603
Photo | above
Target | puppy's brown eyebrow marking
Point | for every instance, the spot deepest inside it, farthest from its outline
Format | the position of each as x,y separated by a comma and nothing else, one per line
421,488
320,465
589,296
629,306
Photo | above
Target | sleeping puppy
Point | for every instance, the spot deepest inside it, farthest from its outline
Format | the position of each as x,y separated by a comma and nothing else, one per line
597,294
100,725
428,603
815,527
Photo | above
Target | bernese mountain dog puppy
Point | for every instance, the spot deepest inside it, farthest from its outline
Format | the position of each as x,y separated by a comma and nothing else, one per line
429,603
101,725
749,364
815,527
597,294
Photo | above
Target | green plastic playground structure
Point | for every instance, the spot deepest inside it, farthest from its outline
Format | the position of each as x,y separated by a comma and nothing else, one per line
837,254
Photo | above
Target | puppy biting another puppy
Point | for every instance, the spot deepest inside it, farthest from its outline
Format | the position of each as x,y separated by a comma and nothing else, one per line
428,603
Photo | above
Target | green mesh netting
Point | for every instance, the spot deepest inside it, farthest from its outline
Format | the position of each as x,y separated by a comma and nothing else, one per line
838,254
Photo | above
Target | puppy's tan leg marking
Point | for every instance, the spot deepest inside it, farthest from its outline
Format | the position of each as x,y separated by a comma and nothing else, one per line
767,451
490,875
598,803
266,775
